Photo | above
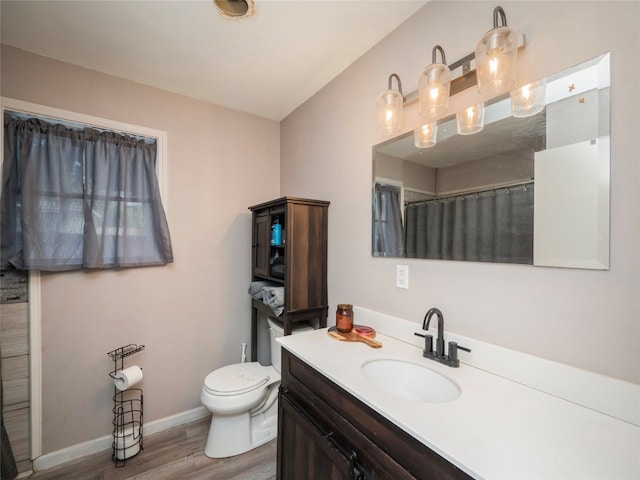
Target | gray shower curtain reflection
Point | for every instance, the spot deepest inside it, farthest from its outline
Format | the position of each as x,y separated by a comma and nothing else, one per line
387,238
492,226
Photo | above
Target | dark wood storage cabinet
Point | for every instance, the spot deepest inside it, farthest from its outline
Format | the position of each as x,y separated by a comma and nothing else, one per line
324,432
299,264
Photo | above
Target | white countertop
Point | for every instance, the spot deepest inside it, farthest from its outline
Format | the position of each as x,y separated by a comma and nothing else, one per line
496,429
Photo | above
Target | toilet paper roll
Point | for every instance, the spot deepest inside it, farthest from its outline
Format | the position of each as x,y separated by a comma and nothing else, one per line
127,442
128,377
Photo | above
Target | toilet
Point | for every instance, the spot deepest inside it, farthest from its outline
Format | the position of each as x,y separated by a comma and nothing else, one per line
242,399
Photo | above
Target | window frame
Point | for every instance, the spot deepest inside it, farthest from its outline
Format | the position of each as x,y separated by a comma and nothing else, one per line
100,123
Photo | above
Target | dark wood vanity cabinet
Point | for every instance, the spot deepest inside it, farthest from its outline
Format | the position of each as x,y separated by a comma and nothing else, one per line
326,433
299,263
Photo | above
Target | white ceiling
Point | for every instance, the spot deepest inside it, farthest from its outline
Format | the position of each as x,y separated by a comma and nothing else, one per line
267,64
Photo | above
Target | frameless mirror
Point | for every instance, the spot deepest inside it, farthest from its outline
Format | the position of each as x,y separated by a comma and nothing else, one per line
528,190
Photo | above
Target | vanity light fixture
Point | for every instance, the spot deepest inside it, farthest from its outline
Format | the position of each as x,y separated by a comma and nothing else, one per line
470,120
434,86
496,57
492,67
389,108
529,99
426,135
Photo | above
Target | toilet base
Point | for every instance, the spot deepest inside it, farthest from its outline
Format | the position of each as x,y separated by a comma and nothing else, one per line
231,435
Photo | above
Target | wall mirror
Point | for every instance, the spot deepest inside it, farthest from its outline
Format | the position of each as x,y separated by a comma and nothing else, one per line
532,190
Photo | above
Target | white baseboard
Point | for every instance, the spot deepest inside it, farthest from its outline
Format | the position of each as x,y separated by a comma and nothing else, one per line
74,452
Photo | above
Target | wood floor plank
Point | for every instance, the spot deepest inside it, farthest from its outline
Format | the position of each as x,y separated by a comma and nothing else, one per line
169,470
24,466
14,325
15,380
16,423
175,454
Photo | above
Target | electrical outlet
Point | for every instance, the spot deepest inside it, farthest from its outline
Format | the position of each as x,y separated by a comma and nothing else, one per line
402,276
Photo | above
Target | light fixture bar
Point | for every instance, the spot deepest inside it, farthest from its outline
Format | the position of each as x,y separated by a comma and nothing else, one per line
463,74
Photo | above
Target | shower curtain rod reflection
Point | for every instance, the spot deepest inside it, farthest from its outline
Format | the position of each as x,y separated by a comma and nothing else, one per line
467,193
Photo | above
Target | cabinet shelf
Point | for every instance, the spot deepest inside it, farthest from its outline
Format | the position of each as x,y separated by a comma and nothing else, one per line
264,308
270,278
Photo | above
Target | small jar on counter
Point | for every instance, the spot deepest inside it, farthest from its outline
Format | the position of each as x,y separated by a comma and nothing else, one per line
344,318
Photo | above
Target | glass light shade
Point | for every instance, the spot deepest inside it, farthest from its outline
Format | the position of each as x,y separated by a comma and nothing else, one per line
529,99
389,112
426,135
496,59
434,86
470,120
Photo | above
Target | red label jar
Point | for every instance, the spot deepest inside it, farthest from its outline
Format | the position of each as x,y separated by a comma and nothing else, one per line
344,318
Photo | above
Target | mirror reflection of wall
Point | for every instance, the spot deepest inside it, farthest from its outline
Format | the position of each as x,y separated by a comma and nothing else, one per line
506,194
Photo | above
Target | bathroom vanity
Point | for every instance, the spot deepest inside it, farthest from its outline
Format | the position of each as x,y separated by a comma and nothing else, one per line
342,424
334,435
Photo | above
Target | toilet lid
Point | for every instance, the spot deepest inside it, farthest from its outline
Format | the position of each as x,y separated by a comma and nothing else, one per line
236,379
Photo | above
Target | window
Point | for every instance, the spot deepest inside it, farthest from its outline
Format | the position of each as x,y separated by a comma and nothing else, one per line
75,196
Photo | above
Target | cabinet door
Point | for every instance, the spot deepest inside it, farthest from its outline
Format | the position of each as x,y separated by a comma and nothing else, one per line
261,244
307,452
306,257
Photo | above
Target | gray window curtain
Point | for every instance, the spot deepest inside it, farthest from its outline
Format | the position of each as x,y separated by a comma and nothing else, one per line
79,198
387,236
495,226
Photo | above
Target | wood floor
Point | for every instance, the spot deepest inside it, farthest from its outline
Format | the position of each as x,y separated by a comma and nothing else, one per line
176,454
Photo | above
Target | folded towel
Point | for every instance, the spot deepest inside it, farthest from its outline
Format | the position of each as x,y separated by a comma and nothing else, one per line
274,298
255,289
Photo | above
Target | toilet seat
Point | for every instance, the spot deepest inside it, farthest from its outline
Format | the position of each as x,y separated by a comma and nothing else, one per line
237,379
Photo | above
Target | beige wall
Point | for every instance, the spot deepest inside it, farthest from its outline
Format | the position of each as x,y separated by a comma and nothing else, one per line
589,319
191,315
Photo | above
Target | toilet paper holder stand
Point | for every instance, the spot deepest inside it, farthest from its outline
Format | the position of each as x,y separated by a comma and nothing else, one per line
127,411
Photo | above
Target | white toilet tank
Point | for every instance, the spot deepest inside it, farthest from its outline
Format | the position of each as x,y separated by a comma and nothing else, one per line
276,330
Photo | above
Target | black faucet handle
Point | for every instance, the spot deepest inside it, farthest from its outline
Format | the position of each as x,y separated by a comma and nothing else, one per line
428,342
453,351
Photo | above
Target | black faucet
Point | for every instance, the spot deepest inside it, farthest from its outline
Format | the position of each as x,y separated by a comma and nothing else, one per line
439,356
425,326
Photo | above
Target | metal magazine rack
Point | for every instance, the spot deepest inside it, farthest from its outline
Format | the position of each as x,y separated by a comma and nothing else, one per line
127,411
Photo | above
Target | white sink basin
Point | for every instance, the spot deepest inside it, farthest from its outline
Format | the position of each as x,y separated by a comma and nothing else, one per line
410,381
